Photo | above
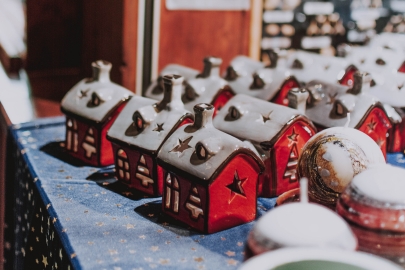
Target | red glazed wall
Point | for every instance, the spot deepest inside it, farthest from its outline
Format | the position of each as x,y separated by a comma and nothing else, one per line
281,97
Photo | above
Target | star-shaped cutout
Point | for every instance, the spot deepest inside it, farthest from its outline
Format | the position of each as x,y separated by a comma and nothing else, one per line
236,185
293,136
332,98
159,127
182,146
266,118
372,124
44,260
83,93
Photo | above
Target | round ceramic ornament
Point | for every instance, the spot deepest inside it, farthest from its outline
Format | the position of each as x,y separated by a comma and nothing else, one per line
374,205
317,259
331,159
300,224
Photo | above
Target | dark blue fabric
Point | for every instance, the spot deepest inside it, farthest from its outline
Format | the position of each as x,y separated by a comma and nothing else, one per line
94,222
71,215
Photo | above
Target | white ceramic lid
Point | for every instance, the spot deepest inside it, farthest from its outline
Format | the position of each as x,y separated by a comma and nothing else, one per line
277,258
384,183
305,224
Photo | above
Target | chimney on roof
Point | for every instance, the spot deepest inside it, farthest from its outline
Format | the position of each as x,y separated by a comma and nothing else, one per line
101,71
361,83
172,92
211,67
297,99
203,113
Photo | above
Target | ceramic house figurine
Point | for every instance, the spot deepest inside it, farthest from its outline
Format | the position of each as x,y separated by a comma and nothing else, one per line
300,224
331,159
91,107
268,83
374,206
209,177
277,132
140,131
156,89
208,87
242,66
330,104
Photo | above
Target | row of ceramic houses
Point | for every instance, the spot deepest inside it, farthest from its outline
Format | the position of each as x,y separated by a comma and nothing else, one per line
209,151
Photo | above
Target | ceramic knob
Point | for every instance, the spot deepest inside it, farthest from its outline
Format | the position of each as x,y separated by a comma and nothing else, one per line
331,159
300,224
374,205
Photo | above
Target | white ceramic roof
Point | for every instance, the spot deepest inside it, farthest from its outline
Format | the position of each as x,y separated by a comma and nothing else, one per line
394,41
219,145
251,125
77,99
245,66
358,105
186,72
272,77
315,66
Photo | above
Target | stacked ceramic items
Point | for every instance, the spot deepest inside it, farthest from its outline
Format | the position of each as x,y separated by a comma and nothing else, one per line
331,159
374,206
300,224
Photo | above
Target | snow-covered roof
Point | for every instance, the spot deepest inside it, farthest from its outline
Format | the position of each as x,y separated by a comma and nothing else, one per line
332,102
245,66
145,123
272,79
155,90
254,119
201,150
96,98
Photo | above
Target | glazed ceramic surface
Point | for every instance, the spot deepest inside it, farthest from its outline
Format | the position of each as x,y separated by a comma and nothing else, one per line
317,258
331,159
374,205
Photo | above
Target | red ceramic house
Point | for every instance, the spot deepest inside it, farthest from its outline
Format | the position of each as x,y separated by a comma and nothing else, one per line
91,107
140,131
277,132
210,178
329,105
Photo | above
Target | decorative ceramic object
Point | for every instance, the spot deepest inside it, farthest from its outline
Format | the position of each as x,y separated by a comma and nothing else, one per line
374,206
277,132
270,83
209,177
91,107
140,131
208,87
331,159
330,104
156,89
300,224
317,259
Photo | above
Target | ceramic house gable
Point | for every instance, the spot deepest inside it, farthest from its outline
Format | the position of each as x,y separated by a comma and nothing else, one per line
274,130
205,162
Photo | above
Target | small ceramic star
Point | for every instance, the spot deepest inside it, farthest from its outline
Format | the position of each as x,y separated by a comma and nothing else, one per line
159,127
182,146
293,136
44,260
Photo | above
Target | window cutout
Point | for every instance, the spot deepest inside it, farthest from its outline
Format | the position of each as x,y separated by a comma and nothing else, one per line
233,114
338,111
122,166
202,153
297,64
95,100
380,62
172,194
138,122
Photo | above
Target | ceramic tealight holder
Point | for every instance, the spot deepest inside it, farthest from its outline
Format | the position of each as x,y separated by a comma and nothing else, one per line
301,258
91,107
140,131
209,177
331,159
300,224
374,206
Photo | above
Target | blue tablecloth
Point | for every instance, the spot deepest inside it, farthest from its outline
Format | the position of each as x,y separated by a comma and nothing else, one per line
67,214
